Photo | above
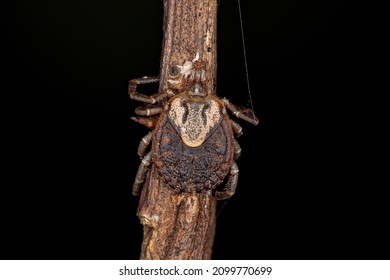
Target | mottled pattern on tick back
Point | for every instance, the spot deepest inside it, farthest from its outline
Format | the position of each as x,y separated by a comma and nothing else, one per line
197,154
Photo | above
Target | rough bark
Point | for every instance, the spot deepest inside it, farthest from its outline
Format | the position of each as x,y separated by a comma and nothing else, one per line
190,28
181,225
176,226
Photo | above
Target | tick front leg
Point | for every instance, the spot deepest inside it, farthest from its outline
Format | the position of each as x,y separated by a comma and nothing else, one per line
230,188
142,170
241,113
144,98
141,81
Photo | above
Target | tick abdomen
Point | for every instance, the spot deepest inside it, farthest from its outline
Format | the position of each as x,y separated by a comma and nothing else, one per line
192,169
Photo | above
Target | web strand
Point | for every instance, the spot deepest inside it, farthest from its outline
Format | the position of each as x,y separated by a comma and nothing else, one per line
245,60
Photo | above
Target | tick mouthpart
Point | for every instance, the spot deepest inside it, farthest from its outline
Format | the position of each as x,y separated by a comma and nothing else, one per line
197,90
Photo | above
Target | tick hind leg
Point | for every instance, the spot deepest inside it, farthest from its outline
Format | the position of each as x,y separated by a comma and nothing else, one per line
237,150
141,173
238,132
145,162
236,128
144,144
230,188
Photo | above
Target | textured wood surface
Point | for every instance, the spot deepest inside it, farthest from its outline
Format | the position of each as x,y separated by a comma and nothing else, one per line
190,28
181,226
176,226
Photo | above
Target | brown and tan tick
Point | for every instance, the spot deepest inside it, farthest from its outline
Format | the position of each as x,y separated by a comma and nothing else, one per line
192,137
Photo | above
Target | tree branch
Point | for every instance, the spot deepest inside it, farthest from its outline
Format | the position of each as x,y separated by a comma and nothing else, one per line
181,225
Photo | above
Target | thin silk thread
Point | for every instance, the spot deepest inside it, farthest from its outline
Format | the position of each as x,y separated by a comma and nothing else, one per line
245,60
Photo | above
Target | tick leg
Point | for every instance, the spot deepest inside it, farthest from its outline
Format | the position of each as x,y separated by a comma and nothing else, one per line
143,145
142,170
237,150
236,128
148,110
230,188
133,87
149,122
144,98
241,113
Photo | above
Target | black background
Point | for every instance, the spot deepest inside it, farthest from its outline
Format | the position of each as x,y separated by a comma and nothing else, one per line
311,184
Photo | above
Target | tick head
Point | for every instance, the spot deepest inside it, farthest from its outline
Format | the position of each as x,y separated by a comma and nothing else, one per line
197,90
